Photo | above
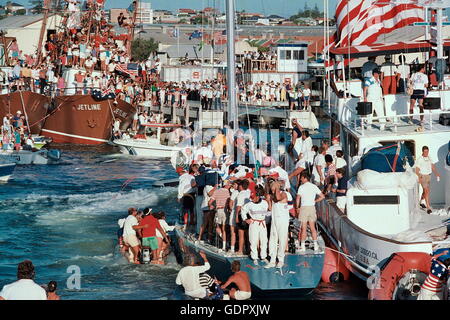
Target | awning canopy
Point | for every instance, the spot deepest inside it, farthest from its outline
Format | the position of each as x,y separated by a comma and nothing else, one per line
385,49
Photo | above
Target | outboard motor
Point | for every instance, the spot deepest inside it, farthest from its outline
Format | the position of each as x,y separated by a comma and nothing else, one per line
145,255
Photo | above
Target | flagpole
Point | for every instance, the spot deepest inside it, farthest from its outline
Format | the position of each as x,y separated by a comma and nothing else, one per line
178,41
231,65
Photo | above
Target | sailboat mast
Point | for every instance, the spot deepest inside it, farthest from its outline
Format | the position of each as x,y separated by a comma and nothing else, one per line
43,28
231,65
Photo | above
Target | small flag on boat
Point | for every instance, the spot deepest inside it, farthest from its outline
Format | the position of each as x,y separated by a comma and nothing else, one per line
103,94
130,69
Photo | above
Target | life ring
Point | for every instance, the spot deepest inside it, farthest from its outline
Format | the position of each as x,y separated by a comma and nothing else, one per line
401,276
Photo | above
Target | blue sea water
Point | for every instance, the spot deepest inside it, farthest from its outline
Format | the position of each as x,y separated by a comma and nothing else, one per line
66,215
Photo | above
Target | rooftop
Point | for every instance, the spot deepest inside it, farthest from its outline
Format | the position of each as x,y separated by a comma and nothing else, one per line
13,22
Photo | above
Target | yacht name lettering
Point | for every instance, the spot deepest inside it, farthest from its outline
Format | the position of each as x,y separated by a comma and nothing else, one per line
121,113
368,253
89,107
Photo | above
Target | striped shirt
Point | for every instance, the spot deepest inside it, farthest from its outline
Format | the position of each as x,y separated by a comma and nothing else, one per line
205,280
221,196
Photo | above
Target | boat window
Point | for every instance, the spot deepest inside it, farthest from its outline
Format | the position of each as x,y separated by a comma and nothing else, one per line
362,200
283,54
352,145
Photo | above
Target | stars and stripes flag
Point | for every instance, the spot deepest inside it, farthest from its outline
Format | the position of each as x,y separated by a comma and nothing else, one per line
436,277
362,22
130,69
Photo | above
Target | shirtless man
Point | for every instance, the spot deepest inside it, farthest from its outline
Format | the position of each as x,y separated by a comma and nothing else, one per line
241,280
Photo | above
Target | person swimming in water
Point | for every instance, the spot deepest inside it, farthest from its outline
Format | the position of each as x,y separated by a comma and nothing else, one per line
51,291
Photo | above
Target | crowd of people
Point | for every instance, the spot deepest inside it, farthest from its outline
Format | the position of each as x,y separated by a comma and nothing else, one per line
15,133
260,92
235,201
25,288
259,61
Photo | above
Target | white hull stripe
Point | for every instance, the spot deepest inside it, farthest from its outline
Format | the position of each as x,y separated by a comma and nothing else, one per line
74,136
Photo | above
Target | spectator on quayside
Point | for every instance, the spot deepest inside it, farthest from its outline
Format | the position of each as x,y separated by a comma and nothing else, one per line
24,288
242,282
424,166
305,204
419,82
189,276
340,188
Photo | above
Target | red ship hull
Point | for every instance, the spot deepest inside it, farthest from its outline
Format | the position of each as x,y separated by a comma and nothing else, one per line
80,119
33,105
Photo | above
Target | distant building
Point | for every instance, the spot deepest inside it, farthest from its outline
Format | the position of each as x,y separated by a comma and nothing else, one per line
160,15
114,13
144,14
26,29
14,6
187,11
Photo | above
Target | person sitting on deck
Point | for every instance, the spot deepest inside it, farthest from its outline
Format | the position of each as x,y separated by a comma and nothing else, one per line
241,280
189,276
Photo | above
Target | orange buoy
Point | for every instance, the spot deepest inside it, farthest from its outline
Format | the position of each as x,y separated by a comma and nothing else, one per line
401,276
334,269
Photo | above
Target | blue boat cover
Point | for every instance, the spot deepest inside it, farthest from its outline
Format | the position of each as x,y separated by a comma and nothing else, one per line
381,159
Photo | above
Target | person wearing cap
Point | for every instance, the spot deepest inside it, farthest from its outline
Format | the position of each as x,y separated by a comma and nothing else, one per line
389,76
373,93
16,119
254,214
334,147
305,204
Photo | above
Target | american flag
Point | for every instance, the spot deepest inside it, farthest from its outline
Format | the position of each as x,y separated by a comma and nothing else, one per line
103,94
130,69
436,278
362,22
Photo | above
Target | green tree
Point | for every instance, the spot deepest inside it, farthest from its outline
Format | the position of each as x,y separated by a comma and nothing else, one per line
199,20
183,21
141,48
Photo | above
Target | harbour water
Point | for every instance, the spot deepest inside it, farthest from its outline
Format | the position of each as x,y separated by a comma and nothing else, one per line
66,215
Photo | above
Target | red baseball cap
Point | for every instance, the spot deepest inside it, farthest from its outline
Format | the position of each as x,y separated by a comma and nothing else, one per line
274,175
180,170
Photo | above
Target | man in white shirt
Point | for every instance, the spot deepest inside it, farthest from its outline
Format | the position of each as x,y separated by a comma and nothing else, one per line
189,276
24,288
424,167
420,84
373,93
129,235
242,199
254,214
283,176
318,172
307,194
389,75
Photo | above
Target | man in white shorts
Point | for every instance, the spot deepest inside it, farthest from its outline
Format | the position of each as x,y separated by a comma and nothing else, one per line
307,211
129,235
241,280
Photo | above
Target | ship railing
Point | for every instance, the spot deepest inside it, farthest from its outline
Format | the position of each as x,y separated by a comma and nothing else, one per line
360,123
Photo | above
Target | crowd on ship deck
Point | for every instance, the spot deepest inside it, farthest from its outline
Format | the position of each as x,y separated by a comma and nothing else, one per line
390,78
15,133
